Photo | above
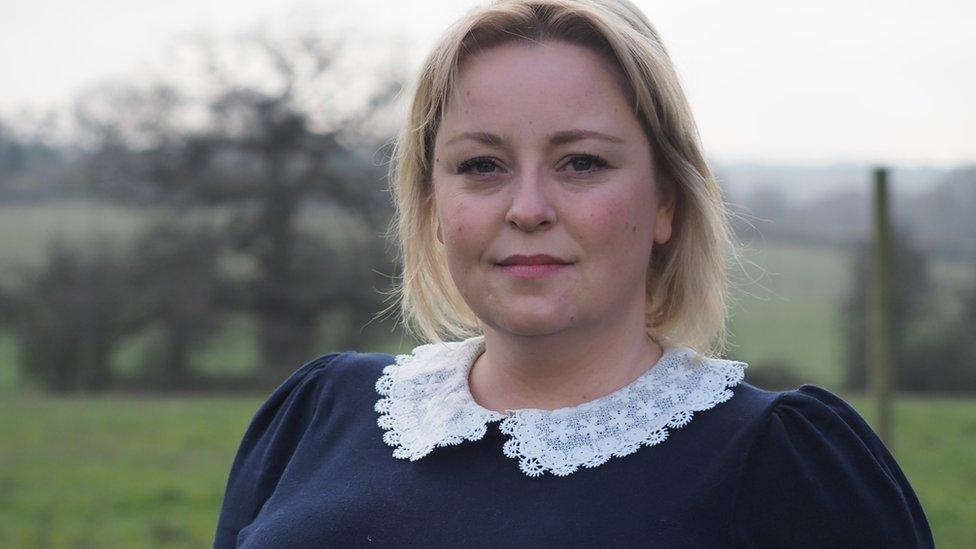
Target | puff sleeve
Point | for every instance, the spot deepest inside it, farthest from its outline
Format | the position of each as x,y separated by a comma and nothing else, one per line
267,446
818,476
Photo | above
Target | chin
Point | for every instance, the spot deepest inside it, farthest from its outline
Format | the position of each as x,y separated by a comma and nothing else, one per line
534,323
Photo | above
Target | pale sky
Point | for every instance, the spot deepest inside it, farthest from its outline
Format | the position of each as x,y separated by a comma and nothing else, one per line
768,81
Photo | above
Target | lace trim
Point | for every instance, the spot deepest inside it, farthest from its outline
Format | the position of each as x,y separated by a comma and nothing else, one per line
427,404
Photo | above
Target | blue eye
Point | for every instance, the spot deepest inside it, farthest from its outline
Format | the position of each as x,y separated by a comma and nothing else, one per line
586,162
479,165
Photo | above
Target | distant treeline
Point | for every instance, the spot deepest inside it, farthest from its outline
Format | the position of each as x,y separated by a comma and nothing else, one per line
937,215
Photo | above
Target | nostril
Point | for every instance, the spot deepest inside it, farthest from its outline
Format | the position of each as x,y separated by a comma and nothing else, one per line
532,222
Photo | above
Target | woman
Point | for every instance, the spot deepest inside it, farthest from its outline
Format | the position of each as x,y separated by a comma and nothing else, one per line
558,220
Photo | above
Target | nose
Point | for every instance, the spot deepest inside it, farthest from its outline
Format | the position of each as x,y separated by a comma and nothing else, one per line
530,208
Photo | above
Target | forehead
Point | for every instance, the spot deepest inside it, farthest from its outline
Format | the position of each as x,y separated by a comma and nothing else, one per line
539,84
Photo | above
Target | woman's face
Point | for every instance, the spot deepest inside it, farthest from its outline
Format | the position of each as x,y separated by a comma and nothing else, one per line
544,189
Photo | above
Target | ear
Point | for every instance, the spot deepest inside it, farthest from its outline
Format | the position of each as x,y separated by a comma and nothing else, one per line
667,195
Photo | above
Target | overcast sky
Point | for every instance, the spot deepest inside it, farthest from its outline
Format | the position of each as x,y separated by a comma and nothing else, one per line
769,81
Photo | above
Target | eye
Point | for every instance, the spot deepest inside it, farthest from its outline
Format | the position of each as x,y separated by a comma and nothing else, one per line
585,163
480,165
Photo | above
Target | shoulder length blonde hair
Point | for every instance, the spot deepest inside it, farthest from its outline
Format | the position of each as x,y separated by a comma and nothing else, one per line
686,285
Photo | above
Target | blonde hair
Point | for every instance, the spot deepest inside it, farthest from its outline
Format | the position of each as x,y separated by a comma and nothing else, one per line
686,286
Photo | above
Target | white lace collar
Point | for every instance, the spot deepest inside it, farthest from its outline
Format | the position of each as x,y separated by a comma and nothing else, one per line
427,403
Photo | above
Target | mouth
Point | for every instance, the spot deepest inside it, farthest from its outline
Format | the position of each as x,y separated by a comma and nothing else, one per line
532,266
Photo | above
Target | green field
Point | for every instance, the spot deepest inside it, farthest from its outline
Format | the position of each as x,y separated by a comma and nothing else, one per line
115,471
787,308
149,472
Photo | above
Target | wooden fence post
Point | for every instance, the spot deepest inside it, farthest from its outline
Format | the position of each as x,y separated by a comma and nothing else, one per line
879,309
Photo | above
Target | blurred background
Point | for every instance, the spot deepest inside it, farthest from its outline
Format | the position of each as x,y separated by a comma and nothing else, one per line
193,202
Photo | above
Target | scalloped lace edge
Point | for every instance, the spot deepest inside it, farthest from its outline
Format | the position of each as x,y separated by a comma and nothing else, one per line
426,403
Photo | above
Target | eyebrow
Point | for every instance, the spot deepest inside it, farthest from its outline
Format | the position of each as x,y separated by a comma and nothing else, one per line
558,138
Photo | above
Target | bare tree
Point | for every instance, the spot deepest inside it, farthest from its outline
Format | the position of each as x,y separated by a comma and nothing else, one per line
261,158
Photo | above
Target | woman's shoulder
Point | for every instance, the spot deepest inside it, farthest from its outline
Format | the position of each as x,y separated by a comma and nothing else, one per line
330,383
327,389
810,410
816,403
816,473
811,417
820,409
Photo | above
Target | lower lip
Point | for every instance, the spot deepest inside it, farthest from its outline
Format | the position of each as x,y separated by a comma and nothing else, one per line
533,271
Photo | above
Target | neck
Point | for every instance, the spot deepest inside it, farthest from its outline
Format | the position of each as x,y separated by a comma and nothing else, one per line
563,369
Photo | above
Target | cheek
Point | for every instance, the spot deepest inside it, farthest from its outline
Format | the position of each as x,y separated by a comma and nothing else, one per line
616,223
459,228
604,221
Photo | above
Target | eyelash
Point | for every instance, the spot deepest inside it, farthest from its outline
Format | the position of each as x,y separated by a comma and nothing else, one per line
468,165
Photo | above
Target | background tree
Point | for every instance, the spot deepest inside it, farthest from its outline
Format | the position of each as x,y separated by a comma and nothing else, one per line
175,270
277,167
941,351
70,316
31,168
932,334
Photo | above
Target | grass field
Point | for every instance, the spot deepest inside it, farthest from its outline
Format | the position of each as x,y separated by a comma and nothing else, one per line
787,308
149,472
935,444
115,472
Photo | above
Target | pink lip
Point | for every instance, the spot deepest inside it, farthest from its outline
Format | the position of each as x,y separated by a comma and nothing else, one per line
532,266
